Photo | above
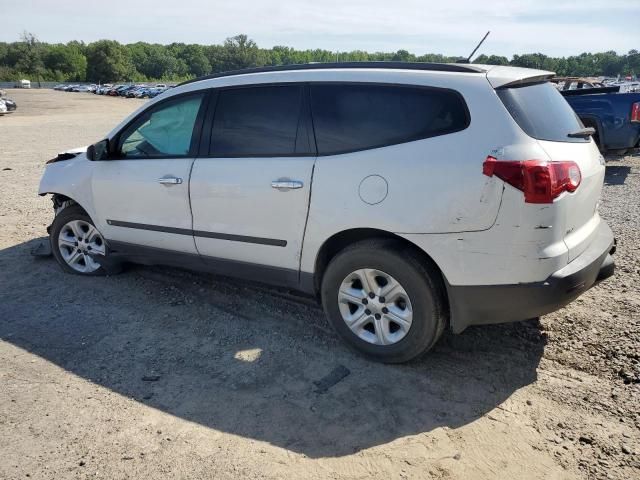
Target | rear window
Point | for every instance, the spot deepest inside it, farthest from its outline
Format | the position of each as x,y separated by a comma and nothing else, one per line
542,112
351,117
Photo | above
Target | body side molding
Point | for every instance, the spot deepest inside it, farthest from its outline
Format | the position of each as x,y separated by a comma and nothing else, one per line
200,233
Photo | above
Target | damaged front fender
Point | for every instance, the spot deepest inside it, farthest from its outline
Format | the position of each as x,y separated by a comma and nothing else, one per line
70,179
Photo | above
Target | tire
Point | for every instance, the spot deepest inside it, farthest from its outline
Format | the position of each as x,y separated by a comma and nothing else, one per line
424,303
70,223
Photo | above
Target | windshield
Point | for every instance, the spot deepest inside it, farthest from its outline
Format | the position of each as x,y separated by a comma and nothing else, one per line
542,112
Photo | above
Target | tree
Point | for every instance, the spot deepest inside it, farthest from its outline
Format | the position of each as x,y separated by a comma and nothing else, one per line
491,60
68,61
528,60
4,53
30,61
403,56
241,52
161,64
108,61
193,56
631,64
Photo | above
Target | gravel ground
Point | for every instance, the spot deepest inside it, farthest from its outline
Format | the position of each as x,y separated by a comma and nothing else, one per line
161,373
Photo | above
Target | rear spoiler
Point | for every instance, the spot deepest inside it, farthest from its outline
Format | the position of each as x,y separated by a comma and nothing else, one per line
522,82
504,77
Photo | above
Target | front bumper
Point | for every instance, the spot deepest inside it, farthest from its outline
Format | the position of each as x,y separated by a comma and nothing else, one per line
485,304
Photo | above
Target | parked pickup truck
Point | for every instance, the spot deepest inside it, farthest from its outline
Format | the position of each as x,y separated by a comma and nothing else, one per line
614,116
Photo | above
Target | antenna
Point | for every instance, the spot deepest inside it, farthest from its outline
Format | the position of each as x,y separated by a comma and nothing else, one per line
468,59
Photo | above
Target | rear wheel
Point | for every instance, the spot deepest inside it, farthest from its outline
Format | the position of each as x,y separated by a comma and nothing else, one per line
384,301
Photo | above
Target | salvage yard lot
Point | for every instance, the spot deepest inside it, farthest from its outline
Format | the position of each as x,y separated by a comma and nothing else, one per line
161,373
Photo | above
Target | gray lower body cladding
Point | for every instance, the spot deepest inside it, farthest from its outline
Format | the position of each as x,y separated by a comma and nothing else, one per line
486,304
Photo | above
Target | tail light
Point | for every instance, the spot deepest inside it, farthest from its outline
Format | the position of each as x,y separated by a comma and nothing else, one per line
540,181
635,112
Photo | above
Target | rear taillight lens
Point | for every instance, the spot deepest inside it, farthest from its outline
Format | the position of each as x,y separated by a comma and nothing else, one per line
540,181
635,112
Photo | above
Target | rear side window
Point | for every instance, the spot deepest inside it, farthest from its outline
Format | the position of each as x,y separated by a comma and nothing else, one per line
542,112
351,117
257,121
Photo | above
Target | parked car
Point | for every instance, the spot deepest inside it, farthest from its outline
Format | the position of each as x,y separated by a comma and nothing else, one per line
9,104
150,92
133,92
122,90
409,198
6,104
115,91
615,117
142,92
125,91
101,90
154,92
633,87
60,86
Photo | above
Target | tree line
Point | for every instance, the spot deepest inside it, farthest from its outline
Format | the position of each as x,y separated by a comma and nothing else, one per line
110,61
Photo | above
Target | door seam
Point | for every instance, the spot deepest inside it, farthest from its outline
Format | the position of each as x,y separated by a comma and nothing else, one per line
306,220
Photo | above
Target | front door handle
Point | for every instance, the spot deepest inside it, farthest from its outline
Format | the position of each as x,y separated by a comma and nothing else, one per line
283,185
170,180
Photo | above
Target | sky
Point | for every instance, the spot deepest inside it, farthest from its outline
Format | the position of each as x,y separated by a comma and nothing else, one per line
552,27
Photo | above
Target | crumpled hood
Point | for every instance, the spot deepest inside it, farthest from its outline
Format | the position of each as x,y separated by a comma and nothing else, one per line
68,154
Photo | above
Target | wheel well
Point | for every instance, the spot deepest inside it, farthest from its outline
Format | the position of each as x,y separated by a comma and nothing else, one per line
61,201
338,242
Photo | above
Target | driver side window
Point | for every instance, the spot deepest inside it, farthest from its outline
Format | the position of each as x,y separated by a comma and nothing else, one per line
164,131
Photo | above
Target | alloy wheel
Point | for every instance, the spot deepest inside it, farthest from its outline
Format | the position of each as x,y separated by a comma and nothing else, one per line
78,240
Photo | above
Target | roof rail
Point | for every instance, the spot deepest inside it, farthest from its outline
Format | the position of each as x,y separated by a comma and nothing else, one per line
438,67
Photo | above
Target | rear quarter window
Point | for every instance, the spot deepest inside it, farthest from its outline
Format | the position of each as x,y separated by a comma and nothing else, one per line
542,112
352,117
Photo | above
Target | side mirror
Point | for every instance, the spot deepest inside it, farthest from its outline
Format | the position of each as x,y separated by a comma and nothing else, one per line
98,151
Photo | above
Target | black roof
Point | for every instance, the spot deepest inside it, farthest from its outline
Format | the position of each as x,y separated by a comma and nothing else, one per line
438,67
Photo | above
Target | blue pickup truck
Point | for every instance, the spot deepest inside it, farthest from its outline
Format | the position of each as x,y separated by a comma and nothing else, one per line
614,116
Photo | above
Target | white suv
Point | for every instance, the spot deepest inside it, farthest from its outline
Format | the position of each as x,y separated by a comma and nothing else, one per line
407,197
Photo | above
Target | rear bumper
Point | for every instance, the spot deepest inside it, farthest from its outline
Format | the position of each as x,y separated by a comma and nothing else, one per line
485,304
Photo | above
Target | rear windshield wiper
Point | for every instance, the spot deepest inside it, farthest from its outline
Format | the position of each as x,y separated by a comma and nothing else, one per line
582,133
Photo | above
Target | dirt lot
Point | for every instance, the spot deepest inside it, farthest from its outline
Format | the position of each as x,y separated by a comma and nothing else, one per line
160,373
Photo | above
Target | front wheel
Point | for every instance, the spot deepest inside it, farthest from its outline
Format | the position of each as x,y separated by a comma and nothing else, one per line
384,301
76,242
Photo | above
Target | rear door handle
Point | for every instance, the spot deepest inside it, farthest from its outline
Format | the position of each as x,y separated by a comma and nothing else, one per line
170,180
284,185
